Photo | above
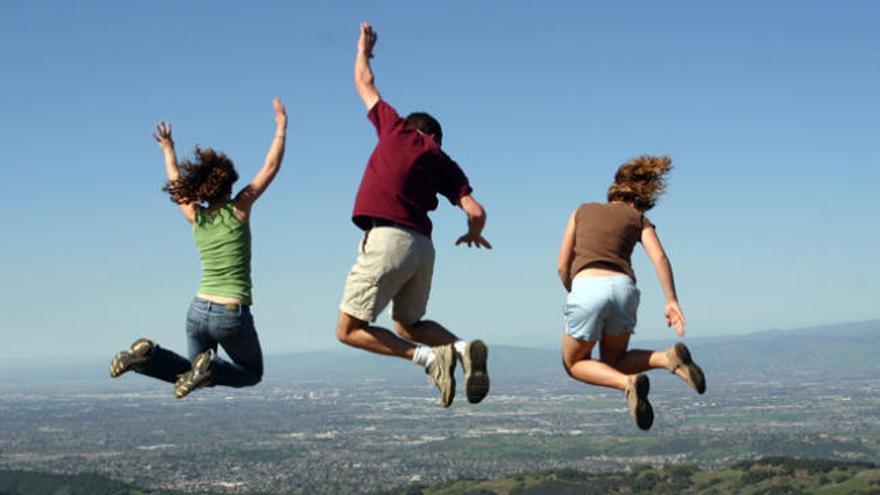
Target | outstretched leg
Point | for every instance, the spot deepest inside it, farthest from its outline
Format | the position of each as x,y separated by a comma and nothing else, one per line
576,358
677,359
359,333
146,358
613,351
439,361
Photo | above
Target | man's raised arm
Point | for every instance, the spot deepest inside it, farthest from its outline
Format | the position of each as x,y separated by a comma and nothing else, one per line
363,73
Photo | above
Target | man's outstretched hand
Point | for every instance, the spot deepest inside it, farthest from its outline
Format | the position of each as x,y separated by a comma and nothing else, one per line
367,40
473,240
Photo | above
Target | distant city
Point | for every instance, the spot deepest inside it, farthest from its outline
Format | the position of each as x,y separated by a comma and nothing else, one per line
320,424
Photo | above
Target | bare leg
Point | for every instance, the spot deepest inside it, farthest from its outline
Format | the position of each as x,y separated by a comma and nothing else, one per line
579,365
358,333
426,332
633,361
613,352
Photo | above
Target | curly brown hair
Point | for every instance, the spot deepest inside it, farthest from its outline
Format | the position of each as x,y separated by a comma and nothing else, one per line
206,178
641,181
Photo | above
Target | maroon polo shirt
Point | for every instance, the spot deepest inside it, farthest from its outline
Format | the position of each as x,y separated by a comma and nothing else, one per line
404,175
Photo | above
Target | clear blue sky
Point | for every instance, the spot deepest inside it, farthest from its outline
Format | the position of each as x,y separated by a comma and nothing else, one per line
768,109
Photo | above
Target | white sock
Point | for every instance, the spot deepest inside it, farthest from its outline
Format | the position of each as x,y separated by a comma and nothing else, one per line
460,346
423,356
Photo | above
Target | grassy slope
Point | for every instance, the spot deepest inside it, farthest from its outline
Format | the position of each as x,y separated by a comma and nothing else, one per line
769,476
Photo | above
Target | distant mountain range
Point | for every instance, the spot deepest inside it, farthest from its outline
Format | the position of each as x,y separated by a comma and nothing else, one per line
830,350
836,351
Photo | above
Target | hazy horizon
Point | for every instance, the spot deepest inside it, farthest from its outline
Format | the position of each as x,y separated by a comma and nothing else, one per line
768,111
102,361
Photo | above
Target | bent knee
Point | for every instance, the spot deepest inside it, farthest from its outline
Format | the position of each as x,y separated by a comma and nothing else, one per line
405,331
253,380
567,367
610,360
346,325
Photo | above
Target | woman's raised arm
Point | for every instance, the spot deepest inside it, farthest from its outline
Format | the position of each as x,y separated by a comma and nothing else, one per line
246,198
163,137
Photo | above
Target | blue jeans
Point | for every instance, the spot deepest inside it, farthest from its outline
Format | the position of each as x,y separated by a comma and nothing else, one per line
207,325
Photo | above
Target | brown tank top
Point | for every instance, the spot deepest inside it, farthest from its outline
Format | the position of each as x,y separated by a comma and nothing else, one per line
605,235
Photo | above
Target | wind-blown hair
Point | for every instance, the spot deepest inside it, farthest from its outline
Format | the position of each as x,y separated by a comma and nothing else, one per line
641,181
206,178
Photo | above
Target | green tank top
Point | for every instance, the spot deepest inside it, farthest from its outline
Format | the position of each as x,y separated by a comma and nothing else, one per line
224,244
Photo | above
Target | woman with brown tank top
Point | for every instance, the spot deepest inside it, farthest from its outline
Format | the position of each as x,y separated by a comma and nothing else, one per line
595,268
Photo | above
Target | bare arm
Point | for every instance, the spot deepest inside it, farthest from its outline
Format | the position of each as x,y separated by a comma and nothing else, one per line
476,221
673,313
246,198
363,73
566,251
163,137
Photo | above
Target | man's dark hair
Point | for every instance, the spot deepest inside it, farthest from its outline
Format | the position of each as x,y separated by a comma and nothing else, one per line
427,124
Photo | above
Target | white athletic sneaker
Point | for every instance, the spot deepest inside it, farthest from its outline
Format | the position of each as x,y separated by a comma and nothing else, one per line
441,372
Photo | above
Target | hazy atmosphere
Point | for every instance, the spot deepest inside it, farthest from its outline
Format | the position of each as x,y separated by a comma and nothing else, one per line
768,110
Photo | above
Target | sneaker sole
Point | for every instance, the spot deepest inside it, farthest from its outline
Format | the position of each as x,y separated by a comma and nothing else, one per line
123,363
181,392
476,376
201,379
696,378
448,374
644,413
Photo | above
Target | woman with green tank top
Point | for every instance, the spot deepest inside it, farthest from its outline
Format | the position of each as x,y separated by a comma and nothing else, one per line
220,313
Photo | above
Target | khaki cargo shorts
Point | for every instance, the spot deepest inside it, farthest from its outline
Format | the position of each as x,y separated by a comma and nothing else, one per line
394,265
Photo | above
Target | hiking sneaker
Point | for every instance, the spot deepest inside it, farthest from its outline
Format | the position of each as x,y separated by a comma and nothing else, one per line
132,359
441,372
637,395
476,378
679,356
197,377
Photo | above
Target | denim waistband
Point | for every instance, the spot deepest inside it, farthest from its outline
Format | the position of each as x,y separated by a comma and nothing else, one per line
206,305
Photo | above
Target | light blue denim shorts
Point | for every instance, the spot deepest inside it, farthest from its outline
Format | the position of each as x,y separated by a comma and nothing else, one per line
601,305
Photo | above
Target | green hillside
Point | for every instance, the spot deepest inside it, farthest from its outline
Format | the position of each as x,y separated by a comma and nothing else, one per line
777,475
29,483
33,483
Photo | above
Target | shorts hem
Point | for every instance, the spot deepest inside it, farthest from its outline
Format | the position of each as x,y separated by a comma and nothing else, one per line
356,313
407,321
589,336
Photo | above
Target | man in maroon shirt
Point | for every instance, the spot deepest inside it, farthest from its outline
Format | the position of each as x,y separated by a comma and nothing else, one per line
396,260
